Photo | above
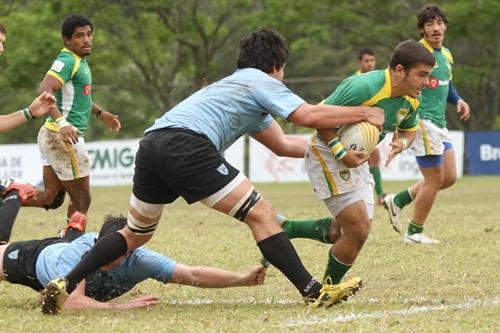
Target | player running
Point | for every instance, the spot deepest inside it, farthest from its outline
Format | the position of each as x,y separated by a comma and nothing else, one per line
346,188
432,147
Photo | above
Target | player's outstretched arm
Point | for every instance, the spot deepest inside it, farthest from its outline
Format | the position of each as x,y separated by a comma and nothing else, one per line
281,144
41,105
78,301
331,116
211,277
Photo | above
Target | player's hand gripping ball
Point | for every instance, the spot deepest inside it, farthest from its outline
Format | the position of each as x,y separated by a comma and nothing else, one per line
359,136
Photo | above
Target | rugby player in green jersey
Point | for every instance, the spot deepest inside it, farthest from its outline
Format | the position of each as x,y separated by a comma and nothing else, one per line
38,107
432,147
340,177
367,63
65,160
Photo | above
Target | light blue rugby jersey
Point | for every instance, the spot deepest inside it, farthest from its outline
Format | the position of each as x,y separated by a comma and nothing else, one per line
244,102
58,259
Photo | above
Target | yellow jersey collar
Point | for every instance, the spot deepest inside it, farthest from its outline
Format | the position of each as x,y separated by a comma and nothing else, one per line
74,54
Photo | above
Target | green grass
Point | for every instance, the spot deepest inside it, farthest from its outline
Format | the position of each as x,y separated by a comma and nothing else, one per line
450,287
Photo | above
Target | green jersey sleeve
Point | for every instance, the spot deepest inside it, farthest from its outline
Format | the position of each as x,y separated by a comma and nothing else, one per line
62,68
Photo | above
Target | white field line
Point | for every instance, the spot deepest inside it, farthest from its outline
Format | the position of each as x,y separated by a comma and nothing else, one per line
271,301
383,314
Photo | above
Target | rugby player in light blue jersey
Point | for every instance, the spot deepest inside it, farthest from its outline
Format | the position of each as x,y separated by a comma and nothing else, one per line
34,263
181,156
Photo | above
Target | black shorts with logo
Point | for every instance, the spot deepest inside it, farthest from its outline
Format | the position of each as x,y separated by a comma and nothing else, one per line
19,261
173,162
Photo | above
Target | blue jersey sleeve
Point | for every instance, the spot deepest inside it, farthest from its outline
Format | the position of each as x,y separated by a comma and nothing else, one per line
277,99
147,264
453,95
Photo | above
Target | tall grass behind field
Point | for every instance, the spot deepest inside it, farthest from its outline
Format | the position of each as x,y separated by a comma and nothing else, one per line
449,287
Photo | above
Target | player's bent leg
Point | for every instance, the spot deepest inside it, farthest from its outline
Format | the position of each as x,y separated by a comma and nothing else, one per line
79,193
432,182
450,168
47,197
355,225
240,200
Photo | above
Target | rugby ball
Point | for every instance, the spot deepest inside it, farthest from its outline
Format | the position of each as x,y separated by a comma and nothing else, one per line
359,136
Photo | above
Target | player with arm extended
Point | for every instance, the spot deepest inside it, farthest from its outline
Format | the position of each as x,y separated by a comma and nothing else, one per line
65,159
433,147
181,156
40,106
344,185
34,263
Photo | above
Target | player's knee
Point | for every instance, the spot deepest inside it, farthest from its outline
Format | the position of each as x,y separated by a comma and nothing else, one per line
143,217
449,181
245,210
55,199
358,234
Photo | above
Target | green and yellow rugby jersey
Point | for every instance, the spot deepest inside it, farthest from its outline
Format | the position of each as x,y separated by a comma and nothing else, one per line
74,99
374,89
434,97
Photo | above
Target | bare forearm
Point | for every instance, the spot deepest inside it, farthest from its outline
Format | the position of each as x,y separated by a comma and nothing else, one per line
328,116
211,277
295,147
10,121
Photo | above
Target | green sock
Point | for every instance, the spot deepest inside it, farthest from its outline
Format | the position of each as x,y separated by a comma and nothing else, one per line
377,177
403,198
335,269
312,229
414,228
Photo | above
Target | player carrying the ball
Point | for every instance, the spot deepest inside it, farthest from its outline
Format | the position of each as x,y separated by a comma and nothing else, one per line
340,177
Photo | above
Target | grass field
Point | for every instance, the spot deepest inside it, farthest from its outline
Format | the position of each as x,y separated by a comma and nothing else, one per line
450,287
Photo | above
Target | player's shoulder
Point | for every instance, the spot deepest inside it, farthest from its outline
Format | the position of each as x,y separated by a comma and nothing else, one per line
369,83
447,53
67,57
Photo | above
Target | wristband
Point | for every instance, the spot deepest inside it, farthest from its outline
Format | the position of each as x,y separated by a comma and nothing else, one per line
62,122
98,113
405,142
27,114
337,148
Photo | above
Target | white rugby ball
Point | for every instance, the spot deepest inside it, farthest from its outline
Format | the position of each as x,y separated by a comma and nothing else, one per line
359,136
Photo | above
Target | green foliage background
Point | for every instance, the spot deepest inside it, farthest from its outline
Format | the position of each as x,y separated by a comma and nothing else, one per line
150,54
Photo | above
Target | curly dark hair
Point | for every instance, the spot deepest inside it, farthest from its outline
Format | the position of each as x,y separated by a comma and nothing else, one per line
263,49
72,22
112,224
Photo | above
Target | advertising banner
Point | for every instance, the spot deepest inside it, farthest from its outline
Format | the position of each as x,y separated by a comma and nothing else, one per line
483,153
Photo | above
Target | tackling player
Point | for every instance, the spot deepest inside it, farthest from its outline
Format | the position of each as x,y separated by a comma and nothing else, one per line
346,188
432,147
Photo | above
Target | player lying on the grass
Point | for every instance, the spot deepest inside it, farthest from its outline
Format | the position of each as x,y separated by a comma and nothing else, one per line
34,263
346,188
38,107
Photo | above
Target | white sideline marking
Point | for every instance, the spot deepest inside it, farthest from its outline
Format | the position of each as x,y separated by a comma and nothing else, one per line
383,314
